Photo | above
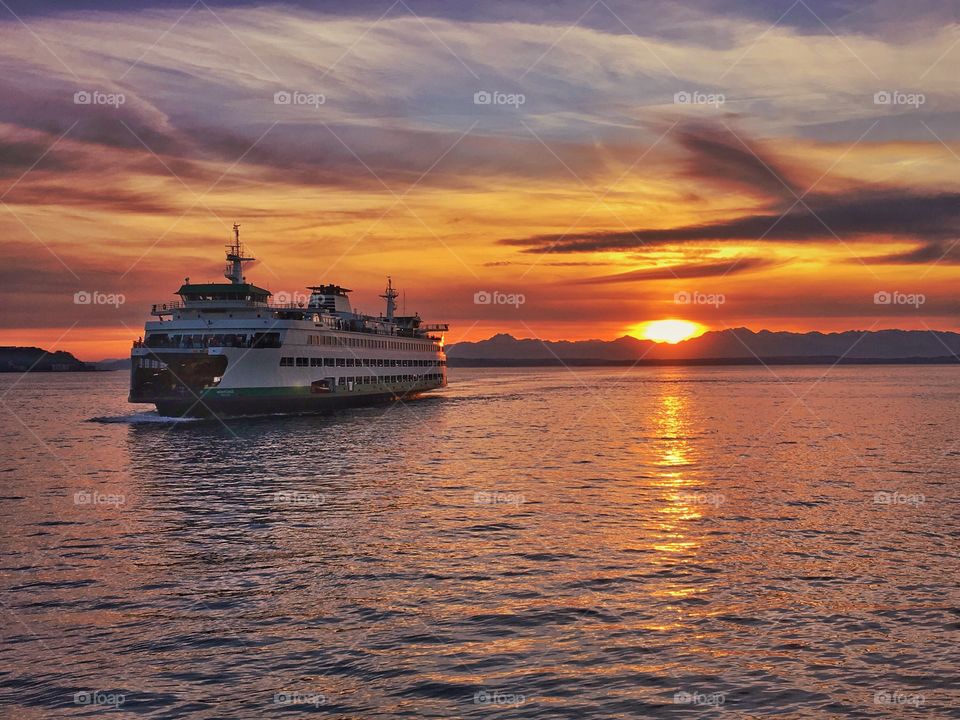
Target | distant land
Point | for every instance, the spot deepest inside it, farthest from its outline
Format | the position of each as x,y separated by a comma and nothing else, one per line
734,346
34,359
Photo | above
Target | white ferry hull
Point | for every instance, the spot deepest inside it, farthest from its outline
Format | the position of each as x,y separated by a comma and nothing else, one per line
297,377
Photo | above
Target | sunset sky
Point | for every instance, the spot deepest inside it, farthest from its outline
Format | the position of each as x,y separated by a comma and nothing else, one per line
778,164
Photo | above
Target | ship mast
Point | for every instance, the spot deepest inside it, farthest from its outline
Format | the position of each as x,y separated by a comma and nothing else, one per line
235,258
390,295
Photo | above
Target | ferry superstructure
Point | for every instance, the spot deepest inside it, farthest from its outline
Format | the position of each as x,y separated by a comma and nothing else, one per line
227,349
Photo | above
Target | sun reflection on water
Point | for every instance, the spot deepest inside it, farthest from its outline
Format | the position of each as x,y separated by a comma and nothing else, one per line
675,455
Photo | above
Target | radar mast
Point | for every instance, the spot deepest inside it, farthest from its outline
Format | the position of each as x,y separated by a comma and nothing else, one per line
235,258
390,295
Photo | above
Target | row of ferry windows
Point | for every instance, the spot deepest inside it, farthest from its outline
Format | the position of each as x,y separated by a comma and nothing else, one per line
371,343
376,380
356,362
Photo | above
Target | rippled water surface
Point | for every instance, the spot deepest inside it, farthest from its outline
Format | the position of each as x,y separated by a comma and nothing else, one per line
527,543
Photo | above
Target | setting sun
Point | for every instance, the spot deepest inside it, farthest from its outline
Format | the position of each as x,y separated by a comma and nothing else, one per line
668,331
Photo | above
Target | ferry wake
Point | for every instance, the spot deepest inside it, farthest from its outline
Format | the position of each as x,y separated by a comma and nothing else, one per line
226,349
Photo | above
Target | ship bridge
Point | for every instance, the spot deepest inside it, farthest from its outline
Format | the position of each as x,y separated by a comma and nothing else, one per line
223,292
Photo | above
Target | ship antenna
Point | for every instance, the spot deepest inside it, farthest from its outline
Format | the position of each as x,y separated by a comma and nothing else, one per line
235,258
390,295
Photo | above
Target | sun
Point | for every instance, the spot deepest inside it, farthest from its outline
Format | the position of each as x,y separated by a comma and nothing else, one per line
667,331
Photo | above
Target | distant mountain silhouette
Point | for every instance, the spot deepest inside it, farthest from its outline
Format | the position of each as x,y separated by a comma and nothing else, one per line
733,345
34,359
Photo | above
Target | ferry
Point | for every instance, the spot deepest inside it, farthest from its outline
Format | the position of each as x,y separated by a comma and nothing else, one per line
228,349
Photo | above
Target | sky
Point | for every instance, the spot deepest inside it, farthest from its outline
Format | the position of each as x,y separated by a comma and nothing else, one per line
563,170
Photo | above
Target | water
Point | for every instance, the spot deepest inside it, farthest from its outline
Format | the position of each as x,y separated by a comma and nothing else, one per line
656,542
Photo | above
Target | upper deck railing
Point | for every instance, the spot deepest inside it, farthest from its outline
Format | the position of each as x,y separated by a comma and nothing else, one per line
170,307
423,332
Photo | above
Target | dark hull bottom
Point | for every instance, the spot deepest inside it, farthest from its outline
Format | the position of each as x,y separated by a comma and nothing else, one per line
313,404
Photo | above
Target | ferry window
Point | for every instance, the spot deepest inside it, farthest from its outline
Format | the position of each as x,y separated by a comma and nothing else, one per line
341,362
351,362
328,362
316,362
286,362
341,381
303,362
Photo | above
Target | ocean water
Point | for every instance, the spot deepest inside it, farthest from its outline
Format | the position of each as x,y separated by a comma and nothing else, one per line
655,542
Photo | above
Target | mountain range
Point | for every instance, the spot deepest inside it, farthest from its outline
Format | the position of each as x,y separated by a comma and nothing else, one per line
735,345
731,346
